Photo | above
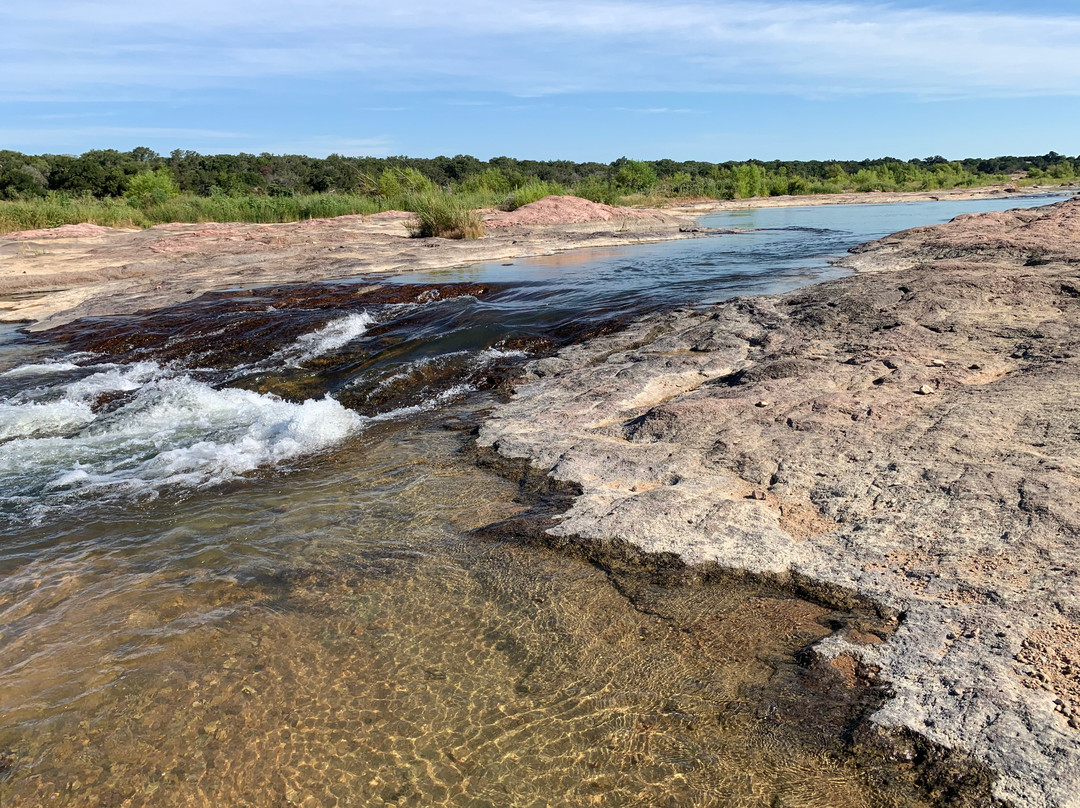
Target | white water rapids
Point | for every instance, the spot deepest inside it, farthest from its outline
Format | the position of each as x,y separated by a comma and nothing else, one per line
106,431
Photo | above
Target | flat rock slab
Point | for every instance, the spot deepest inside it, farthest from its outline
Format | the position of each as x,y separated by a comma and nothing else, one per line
909,434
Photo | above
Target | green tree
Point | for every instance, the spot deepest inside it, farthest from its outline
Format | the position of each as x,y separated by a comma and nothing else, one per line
151,188
749,180
635,175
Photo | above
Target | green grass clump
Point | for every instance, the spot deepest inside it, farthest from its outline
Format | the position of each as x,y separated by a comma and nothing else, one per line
57,209
444,216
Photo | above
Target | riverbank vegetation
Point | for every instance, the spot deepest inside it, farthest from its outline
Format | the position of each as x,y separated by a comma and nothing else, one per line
141,188
443,215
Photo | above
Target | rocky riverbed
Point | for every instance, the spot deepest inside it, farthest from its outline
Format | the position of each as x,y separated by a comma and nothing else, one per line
49,277
906,437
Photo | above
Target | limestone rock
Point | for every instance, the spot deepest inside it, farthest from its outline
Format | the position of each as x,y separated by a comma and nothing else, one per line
959,510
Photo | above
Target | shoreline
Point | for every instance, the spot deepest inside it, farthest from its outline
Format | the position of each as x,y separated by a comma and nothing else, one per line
906,434
875,198
902,434
48,278
48,281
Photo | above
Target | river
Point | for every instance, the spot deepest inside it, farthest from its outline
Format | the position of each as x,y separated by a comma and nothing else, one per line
246,558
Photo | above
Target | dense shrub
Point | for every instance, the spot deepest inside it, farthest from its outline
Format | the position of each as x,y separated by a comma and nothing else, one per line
598,190
151,188
635,175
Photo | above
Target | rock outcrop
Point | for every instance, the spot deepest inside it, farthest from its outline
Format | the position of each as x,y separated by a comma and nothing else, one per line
909,435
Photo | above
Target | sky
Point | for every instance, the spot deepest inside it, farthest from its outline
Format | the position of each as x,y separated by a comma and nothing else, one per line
695,80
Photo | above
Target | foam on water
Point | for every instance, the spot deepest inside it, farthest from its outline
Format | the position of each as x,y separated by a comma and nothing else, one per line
84,433
42,418
491,354
40,369
58,409
410,369
437,400
478,360
172,431
335,334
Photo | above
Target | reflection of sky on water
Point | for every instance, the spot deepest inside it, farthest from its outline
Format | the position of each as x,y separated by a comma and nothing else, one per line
788,248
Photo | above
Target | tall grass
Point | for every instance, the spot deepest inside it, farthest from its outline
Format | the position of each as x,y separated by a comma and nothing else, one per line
445,212
481,198
443,215
55,210
59,209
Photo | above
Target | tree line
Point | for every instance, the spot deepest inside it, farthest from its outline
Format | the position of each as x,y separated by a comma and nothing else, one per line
108,173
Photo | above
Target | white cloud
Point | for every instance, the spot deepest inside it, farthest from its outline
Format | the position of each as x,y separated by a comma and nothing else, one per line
533,48
659,110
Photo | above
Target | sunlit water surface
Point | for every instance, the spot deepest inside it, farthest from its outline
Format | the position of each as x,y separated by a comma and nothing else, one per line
237,564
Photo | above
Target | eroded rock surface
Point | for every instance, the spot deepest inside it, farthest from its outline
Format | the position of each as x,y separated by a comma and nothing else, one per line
911,436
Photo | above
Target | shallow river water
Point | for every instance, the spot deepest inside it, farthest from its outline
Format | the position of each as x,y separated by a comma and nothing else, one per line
241,561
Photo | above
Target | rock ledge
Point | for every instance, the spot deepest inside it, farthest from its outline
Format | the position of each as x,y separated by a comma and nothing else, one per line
910,434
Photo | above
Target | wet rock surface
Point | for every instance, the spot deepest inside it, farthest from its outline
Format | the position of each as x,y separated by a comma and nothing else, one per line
220,329
906,436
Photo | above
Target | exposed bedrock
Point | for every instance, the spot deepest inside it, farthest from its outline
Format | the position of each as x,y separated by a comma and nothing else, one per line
911,436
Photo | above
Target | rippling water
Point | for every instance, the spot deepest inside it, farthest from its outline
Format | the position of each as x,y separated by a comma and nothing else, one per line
238,563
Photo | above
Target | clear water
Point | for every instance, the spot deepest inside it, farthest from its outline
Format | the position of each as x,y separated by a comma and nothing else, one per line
782,249
238,566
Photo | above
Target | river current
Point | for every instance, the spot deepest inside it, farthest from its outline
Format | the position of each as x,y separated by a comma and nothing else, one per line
246,559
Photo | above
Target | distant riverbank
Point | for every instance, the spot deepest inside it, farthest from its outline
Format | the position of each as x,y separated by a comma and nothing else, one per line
874,197
54,275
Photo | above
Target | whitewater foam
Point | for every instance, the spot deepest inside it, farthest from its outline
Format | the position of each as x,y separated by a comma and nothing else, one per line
335,334
43,418
40,369
172,432
444,397
60,408
489,354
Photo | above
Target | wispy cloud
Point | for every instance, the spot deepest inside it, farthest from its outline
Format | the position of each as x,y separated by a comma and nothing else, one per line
323,145
535,48
69,116
56,135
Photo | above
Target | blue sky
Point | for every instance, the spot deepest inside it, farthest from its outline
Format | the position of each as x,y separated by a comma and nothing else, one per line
697,79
